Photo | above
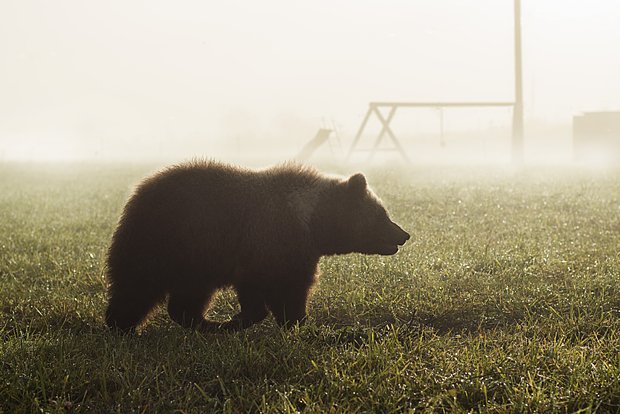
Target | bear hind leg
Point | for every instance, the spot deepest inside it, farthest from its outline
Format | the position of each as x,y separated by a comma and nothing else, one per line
187,307
128,307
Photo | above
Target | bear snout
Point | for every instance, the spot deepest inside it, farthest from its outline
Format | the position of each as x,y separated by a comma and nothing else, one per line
399,235
393,236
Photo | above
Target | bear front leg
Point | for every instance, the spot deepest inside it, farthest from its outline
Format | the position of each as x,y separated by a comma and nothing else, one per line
253,309
288,304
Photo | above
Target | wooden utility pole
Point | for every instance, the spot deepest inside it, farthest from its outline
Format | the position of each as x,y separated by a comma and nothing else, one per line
517,121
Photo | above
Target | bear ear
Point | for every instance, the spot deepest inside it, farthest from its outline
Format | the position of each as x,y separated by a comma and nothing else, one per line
357,183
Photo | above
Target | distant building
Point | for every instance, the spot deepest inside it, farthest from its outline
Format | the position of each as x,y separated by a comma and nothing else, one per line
596,136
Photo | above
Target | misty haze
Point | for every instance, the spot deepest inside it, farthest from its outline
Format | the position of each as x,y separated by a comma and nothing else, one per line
276,206
126,80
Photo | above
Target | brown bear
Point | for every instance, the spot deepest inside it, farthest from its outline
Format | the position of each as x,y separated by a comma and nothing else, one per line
200,226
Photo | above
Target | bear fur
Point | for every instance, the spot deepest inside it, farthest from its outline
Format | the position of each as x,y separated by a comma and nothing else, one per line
197,227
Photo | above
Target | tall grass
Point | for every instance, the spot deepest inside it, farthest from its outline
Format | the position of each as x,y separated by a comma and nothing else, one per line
507,299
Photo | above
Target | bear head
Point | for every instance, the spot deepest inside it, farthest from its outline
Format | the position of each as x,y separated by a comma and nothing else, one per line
358,222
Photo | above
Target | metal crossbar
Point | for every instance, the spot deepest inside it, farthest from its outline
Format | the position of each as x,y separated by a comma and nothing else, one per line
373,108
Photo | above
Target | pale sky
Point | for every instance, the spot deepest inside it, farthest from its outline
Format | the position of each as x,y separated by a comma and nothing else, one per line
122,70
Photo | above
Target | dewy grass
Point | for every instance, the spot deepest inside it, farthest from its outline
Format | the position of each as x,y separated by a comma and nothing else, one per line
507,299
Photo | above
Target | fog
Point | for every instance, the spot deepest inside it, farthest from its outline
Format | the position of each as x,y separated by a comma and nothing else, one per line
130,80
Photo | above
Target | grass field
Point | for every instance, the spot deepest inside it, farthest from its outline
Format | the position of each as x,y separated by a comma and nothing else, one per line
507,299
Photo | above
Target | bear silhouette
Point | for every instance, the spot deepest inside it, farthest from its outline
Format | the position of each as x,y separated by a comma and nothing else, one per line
200,226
